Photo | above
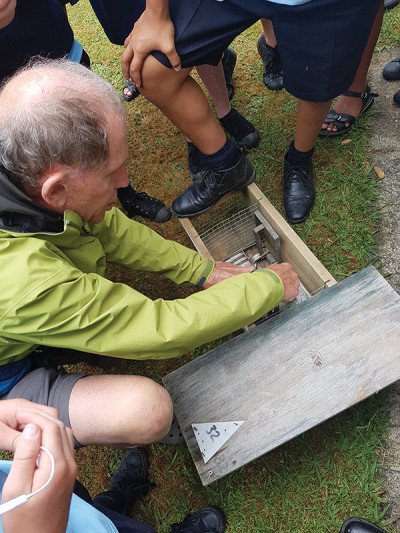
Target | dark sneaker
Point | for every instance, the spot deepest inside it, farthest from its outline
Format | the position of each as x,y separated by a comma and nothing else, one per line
128,483
228,64
273,72
298,190
396,98
198,168
390,4
201,196
206,520
240,129
359,525
142,204
391,70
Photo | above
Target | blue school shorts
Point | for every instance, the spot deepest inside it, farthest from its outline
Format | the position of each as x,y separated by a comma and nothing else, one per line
320,42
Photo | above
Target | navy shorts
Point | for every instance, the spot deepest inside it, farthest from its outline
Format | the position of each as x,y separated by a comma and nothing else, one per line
321,42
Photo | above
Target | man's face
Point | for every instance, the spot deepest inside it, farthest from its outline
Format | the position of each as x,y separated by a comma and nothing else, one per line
91,194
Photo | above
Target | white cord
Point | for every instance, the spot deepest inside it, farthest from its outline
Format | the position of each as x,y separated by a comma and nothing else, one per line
16,502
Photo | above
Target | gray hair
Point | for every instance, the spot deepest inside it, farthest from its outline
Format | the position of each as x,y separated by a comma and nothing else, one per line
66,124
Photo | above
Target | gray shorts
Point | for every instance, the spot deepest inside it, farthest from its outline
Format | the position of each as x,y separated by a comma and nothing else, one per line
47,386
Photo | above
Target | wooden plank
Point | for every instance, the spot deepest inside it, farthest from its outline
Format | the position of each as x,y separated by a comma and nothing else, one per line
291,372
195,237
311,271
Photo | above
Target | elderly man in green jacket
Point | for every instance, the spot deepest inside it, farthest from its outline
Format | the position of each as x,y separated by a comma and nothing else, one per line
62,159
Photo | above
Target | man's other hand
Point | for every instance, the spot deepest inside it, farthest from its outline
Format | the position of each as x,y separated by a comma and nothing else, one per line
289,279
7,12
223,270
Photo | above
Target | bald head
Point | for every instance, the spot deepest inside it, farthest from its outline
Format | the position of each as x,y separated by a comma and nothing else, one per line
54,112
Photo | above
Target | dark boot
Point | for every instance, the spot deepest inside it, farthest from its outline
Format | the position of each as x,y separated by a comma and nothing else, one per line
390,4
204,194
228,64
273,73
240,129
298,190
206,520
391,70
128,483
359,525
396,98
142,204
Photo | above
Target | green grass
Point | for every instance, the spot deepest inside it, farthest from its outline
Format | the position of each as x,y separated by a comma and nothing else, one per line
314,482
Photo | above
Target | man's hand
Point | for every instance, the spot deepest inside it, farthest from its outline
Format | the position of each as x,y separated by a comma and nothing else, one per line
34,425
223,270
289,279
152,31
7,12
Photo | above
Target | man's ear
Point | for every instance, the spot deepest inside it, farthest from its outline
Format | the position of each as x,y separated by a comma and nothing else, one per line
54,189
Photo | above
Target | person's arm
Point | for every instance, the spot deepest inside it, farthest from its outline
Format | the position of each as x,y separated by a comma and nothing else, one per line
136,246
152,31
7,12
30,426
86,312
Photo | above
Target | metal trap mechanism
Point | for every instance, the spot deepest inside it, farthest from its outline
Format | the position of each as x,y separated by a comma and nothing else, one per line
246,238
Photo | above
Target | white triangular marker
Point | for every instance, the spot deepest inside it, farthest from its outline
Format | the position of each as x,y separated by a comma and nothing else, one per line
212,435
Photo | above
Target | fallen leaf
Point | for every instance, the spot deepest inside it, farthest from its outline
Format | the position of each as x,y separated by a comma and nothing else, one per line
380,173
346,141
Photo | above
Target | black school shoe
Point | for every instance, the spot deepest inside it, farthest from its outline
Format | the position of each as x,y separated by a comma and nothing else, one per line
396,98
390,4
228,64
273,72
204,194
206,520
128,483
142,204
358,525
391,71
298,190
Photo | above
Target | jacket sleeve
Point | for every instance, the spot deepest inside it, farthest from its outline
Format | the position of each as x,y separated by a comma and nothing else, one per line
89,313
136,246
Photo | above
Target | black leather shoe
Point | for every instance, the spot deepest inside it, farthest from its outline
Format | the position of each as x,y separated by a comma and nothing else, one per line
142,204
273,73
206,520
128,483
391,70
390,4
204,194
298,190
396,98
358,525
228,64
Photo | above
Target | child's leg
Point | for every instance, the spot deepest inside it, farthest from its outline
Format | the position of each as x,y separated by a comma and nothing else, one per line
267,47
181,99
348,104
233,122
269,34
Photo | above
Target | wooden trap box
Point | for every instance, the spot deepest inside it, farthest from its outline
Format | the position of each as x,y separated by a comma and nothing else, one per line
293,371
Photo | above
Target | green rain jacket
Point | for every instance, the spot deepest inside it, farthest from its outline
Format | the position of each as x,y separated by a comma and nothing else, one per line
54,293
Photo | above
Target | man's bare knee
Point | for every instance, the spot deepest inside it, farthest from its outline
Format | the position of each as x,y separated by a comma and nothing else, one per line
155,411
119,410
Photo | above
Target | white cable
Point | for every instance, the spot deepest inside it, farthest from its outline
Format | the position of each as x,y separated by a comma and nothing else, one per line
15,502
